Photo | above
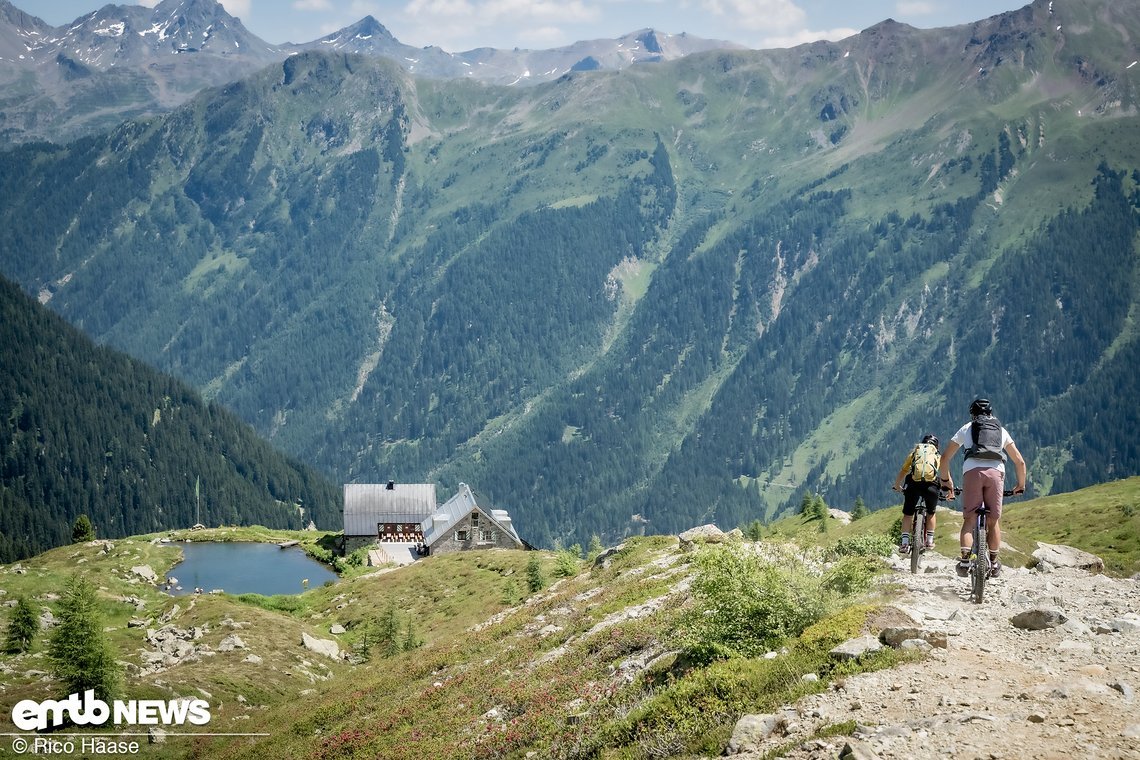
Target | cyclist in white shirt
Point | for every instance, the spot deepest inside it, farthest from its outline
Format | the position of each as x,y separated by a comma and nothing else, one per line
986,443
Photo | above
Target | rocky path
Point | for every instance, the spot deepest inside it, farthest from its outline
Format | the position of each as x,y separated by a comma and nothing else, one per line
996,690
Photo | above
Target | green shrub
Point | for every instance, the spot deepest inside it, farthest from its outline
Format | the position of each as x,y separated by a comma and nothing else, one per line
864,545
535,579
746,604
567,562
895,533
851,575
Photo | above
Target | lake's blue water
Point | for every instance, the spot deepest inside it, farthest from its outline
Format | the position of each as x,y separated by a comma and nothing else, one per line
246,568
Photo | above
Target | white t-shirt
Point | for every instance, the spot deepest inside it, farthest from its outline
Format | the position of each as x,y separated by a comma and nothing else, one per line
965,439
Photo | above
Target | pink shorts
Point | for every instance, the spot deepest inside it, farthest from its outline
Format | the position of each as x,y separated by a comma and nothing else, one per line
982,485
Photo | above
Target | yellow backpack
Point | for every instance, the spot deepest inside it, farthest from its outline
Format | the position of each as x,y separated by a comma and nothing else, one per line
924,461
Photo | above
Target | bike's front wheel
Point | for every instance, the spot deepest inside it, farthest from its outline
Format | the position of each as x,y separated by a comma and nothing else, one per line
918,541
981,565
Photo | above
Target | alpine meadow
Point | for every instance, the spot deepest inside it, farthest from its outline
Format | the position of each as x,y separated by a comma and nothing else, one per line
639,300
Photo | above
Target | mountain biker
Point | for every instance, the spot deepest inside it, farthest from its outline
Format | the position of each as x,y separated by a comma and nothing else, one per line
915,489
986,442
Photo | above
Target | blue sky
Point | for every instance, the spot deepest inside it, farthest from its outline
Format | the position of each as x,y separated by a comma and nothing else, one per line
458,25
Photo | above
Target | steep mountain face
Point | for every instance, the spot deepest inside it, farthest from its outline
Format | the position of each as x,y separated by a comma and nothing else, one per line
88,430
122,61
680,293
130,61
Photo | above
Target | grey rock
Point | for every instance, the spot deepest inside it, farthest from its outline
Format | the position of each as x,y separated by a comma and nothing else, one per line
146,572
230,643
326,647
704,534
1129,623
853,649
336,629
1124,689
894,637
1038,619
751,730
916,645
1066,556
853,749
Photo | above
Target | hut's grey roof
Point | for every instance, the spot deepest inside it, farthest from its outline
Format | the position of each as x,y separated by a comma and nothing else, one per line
368,504
463,503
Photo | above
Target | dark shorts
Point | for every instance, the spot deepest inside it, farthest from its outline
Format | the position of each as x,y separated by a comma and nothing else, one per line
913,491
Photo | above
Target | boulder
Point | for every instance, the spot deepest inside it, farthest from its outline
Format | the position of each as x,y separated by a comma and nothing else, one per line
704,534
1056,555
1038,619
894,637
751,730
230,643
327,647
853,649
146,572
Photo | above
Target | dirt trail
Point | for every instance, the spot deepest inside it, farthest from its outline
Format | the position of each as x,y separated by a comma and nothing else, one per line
995,691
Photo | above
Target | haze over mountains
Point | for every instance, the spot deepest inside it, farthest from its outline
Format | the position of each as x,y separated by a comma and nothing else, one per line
622,300
126,61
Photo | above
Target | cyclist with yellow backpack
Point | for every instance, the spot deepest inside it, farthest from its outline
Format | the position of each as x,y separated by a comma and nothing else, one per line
918,479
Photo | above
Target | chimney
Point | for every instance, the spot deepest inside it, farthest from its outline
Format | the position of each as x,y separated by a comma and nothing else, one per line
391,485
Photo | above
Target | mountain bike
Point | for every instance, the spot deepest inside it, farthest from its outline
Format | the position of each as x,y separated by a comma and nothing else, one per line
918,533
980,569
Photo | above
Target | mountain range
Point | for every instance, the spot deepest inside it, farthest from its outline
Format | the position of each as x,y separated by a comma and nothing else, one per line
129,61
633,300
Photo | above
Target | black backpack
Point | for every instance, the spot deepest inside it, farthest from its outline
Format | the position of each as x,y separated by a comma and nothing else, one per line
986,432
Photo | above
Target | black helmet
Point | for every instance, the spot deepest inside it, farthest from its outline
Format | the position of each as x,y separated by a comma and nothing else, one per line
930,438
981,406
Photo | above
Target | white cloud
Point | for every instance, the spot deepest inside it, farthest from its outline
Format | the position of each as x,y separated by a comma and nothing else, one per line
238,8
915,8
312,5
453,24
758,15
804,36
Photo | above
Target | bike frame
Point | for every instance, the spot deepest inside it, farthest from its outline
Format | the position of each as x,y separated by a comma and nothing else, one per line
980,568
917,534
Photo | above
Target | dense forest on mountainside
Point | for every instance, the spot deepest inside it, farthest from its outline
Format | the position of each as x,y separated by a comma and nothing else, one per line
88,430
618,302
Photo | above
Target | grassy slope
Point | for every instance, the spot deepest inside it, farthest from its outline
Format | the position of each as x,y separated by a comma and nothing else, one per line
566,650
1102,519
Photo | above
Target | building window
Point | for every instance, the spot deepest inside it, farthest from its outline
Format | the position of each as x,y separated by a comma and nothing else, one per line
462,535
475,519
487,536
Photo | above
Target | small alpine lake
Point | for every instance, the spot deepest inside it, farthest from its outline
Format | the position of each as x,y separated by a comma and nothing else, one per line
238,567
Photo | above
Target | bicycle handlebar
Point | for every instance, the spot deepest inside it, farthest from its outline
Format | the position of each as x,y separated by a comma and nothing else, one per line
957,491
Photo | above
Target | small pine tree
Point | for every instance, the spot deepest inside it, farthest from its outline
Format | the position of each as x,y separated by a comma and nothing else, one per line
819,507
411,640
754,531
22,628
860,510
596,548
82,530
388,633
79,651
806,504
511,594
535,580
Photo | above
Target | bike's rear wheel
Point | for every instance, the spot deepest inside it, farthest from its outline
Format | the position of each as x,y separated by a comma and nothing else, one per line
981,565
918,540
